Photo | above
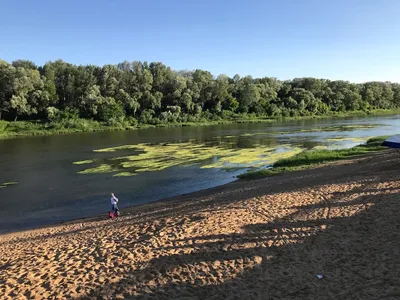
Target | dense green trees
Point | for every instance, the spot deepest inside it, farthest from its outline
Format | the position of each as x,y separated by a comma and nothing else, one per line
154,93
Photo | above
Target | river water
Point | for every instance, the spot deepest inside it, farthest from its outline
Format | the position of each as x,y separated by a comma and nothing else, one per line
48,187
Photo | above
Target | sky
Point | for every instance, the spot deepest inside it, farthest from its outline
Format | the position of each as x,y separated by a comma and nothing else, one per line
355,40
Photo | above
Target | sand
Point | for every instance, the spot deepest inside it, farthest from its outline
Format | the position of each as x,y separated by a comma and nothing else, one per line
264,239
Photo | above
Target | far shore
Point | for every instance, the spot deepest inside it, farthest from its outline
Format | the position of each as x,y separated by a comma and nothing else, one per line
10,129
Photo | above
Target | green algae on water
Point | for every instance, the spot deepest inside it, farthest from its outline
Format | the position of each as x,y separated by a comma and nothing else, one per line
221,152
320,147
7,184
83,162
113,149
157,157
124,174
104,168
254,158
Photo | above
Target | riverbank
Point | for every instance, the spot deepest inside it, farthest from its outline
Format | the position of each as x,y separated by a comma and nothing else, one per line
266,238
33,128
312,158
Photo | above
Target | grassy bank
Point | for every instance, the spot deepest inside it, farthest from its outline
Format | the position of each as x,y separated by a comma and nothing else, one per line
34,128
309,159
31,128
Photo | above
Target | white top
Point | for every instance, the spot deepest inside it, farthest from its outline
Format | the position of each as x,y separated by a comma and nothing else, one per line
114,200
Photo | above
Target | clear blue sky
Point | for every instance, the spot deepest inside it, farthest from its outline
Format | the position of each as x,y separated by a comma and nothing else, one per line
356,40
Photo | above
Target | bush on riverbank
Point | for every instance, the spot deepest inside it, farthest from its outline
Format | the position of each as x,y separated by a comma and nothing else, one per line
308,159
23,128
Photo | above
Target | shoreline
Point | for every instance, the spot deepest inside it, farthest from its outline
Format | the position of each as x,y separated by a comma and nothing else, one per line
42,129
371,147
127,211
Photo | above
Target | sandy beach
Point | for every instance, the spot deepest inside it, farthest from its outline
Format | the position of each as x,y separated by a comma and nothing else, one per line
262,239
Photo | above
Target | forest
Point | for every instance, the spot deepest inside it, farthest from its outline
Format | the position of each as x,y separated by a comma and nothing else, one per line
131,93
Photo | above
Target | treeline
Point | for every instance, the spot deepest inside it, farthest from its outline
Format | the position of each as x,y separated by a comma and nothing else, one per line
136,92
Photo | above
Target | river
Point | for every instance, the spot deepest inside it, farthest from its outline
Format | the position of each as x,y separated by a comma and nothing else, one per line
49,179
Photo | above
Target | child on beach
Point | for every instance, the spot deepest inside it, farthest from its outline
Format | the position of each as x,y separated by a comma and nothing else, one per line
114,206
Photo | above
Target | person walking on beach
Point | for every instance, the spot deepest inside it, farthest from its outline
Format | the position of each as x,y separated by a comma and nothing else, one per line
114,205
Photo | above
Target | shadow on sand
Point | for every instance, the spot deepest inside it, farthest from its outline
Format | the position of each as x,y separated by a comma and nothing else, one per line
358,255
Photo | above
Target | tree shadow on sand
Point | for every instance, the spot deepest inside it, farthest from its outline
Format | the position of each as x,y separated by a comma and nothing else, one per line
358,256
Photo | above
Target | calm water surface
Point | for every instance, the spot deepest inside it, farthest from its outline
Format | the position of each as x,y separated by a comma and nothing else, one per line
49,190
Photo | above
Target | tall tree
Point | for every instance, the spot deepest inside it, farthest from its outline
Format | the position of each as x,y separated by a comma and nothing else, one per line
6,86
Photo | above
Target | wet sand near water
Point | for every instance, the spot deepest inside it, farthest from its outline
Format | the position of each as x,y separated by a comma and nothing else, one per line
263,239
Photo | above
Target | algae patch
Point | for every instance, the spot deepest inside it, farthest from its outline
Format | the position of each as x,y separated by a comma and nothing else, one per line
253,158
104,168
124,174
113,149
248,150
83,162
7,184
320,147
157,157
